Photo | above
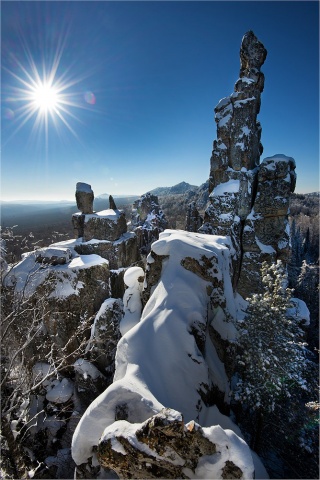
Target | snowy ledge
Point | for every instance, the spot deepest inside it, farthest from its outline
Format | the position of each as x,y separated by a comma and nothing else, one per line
108,214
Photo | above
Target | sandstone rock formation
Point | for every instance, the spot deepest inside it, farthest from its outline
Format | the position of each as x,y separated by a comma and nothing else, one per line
64,292
164,447
84,197
105,225
189,295
105,234
53,256
105,335
241,190
148,221
266,230
68,294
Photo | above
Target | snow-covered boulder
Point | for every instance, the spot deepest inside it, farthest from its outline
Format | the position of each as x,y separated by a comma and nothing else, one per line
120,253
60,298
164,447
53,255
105,225
89,381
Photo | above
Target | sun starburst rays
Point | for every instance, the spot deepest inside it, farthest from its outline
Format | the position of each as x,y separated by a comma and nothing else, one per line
44,96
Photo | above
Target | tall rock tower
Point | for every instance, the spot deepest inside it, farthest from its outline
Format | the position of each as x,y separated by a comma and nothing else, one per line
248,199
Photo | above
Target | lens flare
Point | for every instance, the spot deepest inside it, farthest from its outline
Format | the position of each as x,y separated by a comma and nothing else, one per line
90,98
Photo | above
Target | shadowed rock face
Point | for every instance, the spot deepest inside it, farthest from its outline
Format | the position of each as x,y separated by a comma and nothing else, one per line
193,218
248,201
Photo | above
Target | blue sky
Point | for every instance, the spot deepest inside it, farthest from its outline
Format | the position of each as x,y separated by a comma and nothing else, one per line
143,79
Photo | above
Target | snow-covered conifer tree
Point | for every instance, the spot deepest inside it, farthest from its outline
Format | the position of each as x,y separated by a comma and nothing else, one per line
271,358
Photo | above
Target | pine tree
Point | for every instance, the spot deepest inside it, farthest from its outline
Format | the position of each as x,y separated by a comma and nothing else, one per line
271,359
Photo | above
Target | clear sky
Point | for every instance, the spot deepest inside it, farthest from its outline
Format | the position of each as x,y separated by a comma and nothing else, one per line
120,95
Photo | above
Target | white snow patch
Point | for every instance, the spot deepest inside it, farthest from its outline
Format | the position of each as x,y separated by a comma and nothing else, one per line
224,120
232,186
41,371
61,392
226,216
54,252
270,162
87,261
299,311
265,248
240,145
110,214
124,237
86,369
246,80
240,103
283,244
223,102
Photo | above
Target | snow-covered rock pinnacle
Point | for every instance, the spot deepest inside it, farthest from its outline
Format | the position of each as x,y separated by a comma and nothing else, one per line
248,201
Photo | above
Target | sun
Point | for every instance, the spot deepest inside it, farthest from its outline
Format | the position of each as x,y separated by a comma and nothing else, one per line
45,95
45,98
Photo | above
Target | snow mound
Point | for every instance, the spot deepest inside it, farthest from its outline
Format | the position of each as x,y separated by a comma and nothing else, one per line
61,391
132,299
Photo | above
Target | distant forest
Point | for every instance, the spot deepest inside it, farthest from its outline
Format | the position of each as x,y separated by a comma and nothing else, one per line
35,228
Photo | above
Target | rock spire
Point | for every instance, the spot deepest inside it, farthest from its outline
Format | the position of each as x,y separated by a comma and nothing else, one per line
84,197
248,201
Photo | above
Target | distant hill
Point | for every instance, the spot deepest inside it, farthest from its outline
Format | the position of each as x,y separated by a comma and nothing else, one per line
182,187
